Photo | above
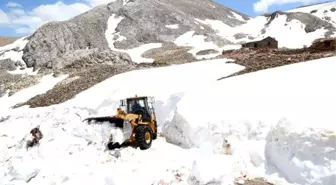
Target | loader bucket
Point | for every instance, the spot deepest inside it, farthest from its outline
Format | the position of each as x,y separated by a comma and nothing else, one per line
118,122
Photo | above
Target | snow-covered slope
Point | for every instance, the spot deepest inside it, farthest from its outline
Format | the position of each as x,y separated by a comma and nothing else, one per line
279,124
287,29
325,11
293,29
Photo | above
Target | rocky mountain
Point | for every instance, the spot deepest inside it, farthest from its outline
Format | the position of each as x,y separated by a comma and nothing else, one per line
125,25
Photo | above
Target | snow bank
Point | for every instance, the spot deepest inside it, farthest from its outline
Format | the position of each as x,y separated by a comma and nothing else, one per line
73,152
248,106
302,155
211,168
241,116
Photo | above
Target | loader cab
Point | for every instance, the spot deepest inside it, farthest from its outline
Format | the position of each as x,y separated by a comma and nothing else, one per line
140,105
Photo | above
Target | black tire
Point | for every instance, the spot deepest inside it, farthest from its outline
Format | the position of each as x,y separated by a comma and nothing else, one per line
155,131
140,137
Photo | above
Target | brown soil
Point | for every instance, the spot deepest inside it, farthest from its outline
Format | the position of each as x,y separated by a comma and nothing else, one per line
255,182
7,40
260,59
75,83
169,53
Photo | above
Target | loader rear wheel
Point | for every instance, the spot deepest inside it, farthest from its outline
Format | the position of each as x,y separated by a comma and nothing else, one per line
143,137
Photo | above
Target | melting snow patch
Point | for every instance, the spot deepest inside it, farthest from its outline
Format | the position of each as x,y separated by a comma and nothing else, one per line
136,53
112,36
237,16
196,41
172,26
220,27
111,33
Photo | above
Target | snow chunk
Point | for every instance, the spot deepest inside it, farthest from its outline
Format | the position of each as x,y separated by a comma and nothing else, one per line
23,169
210,168
303,155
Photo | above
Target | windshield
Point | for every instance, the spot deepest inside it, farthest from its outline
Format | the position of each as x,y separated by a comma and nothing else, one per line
136,104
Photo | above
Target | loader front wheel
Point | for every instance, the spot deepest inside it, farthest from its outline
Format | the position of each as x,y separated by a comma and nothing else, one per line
143,137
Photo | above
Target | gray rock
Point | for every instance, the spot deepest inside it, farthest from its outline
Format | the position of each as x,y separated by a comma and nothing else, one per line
144,22
240,35
3,119
89,57
7,64
11,93
19,64
54,39
2,90
15,82
207,52
169,53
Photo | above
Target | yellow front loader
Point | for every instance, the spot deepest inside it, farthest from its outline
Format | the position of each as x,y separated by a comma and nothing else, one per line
139,112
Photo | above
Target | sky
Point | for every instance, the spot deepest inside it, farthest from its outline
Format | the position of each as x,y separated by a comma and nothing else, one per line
22,17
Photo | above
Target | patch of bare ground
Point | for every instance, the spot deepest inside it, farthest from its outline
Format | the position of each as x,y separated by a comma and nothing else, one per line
259,59
78,81
7,40
15,82
256,181
169,53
